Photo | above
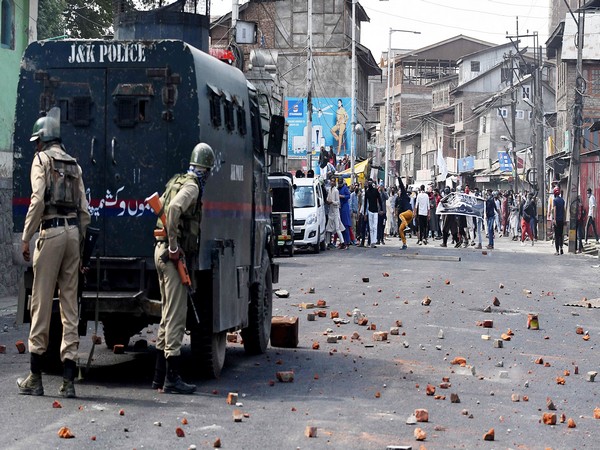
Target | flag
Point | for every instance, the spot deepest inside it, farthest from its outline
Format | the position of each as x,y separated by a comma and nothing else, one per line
441,162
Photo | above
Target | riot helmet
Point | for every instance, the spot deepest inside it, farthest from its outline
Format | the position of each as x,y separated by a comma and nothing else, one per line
202,156
45,128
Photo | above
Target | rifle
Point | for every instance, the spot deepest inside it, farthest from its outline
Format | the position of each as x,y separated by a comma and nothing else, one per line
156,205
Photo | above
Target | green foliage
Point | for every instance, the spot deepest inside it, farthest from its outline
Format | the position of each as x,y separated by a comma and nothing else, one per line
88,20
50,19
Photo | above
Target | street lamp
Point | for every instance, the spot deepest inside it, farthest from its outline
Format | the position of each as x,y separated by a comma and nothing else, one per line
387,103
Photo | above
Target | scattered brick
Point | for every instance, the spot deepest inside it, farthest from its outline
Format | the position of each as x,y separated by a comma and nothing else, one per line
322,313
365,279
232,398
560,380
385,274
550,404
563,418
285,376
515,397
237,415
596,413
355,336
422,415
525,398
489,436
567,373
579,330
119,349
311,432
549,418
488,324
65,433
446,282
121,412
496,302
179,432
571,423
426,301
2,348
430,389
420,434
459,360
546,364
321,303
20,346
445,385
454,398
395,331
363,321
56,404
315,345
380,336
217,443
439,397
334,314
184,421
377,394
539,361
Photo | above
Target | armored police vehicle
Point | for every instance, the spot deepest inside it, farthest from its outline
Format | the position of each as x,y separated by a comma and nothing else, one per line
131,113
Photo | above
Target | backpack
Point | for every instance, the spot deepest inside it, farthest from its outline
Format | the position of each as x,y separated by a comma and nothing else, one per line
189,229
62,193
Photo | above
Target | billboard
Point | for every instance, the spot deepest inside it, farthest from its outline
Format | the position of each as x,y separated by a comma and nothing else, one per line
330,125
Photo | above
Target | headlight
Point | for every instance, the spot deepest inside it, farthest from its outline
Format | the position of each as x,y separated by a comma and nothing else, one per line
311,219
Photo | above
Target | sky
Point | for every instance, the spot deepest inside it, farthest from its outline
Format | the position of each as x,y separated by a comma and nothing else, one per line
437,20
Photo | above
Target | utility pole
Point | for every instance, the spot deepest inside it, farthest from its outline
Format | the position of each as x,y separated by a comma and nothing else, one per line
513,113
577,124
309,63
539,154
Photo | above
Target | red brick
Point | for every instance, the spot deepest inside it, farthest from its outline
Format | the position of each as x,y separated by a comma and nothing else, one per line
20,346
310,432
284,331
420,434
422,415
489,436
549,419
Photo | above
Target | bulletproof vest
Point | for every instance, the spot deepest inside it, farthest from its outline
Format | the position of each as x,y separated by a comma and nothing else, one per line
188,231
62,191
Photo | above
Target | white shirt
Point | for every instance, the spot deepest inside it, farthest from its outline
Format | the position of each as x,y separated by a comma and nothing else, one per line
422,203
592,206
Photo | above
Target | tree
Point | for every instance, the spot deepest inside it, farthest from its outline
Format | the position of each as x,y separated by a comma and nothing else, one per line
50,19
88,20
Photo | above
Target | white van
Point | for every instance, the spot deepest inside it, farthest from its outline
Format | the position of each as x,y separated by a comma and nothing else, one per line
309,214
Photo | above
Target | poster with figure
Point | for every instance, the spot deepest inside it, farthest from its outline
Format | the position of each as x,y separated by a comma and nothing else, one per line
330,123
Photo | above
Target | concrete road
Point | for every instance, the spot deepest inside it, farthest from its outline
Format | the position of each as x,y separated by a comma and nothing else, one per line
359,393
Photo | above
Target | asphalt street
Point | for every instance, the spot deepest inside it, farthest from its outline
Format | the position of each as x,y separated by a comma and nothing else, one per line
359,393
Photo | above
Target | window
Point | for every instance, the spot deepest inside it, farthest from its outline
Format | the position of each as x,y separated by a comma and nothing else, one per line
595,81
520,114
502,112
530,115
526,91
460,149
483,125
228,110
214,99
475,66
459,112
483,154
7,25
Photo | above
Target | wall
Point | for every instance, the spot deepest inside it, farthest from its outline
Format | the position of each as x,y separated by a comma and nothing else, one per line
10,59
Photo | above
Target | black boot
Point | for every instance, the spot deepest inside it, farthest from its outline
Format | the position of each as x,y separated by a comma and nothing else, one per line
173,382
67,389
160,370
32,385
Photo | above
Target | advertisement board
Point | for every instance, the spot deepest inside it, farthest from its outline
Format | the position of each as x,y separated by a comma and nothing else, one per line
330,125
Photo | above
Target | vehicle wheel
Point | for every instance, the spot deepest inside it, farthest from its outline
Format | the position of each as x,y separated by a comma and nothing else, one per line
322,244
118,330
209,351
317,246
258,332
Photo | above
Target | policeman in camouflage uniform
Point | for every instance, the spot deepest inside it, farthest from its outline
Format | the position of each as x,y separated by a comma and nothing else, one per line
59,210
182,204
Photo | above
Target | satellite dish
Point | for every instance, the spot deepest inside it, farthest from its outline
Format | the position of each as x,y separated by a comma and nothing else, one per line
359,129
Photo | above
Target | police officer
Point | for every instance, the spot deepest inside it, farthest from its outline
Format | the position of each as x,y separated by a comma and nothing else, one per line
182,203
59,210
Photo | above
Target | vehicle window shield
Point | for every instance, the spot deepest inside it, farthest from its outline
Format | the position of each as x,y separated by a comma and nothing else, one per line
304,197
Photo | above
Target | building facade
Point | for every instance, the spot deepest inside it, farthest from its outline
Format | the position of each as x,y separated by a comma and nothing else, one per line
17,29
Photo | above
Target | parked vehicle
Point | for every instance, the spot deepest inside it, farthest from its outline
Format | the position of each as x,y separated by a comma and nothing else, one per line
309,214
282,213
131,112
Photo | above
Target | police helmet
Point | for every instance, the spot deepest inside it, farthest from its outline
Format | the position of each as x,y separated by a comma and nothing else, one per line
45,128
203,156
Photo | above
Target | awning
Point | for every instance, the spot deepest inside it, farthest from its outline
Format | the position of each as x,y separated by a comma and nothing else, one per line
360,170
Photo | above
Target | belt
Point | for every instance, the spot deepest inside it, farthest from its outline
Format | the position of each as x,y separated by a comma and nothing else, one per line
58,222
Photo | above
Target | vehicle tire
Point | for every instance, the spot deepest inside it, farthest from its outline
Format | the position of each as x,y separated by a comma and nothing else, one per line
118,330
258,332
322,244
317,246
208,350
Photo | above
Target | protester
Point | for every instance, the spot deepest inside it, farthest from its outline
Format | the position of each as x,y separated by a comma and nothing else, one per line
403,210
491,210
558,220
372,209
345,216
591,217
382,217
334,224
422,210
527,213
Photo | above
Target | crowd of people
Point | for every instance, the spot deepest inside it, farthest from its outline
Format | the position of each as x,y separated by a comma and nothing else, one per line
368,215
